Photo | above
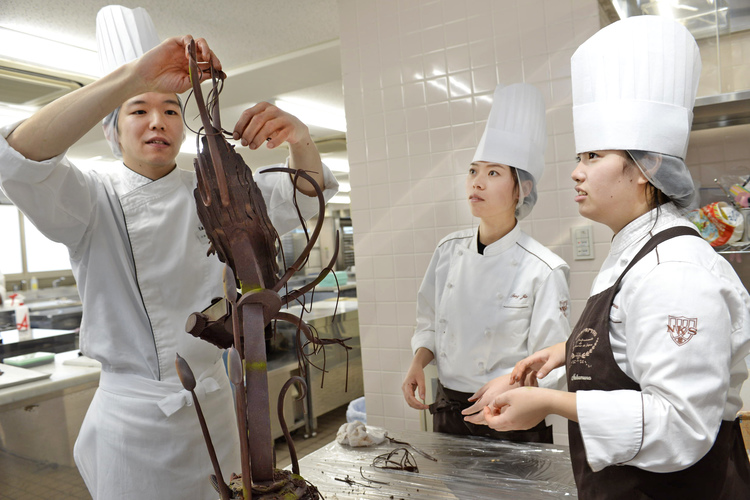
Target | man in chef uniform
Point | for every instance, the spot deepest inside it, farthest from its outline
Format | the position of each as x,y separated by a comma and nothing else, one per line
491,295
138,252
657,360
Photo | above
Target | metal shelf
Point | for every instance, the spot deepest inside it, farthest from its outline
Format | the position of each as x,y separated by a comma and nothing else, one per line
734,249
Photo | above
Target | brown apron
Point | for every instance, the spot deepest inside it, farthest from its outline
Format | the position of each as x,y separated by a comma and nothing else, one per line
723,473
447,417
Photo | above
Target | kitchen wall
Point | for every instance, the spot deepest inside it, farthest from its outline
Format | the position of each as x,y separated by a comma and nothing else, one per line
726,65
418,80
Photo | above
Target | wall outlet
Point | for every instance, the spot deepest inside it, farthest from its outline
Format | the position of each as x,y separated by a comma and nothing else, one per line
583,242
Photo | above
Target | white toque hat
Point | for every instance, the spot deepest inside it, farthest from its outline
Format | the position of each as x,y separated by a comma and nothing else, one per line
516,131
123,35
516,136
634,85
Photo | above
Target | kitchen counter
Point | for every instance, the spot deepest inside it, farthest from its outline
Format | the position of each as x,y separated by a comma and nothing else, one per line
41,420
467,467
62,377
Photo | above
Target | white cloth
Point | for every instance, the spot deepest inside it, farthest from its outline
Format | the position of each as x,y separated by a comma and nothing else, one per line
686,390
479,314
634,84
138,253
356,434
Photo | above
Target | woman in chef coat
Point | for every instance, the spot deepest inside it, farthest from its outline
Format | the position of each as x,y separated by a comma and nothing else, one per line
656,361
491,295
138,252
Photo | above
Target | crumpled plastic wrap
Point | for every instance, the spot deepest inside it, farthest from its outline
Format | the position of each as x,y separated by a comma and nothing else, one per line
467,468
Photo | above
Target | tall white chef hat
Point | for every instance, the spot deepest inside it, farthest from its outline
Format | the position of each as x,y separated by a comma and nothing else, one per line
634,86
516,135
122,35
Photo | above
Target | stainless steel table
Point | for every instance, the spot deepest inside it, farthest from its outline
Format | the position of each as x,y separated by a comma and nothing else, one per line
467,468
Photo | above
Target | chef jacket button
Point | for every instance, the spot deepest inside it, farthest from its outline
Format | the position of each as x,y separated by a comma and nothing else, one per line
449,285
442,320
487,333
500,296
443,355
480,365
514,262
460,252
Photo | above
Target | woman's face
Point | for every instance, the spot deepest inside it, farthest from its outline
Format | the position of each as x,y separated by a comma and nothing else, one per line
608,188
491,190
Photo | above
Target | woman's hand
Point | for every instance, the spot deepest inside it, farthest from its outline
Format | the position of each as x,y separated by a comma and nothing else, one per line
485,396
525,407
414,380
518,409
539,364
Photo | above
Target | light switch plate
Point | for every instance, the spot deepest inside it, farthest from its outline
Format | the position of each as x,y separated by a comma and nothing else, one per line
583,242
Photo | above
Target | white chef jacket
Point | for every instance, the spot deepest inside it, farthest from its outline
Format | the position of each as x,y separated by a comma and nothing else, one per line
479,314
138,253
686,390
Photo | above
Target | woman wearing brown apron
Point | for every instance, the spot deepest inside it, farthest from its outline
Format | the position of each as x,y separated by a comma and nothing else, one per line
656,362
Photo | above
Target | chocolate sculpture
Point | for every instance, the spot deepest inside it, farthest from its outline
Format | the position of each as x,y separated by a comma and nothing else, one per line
233,213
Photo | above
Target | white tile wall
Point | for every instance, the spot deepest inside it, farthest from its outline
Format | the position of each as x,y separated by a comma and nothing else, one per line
418,79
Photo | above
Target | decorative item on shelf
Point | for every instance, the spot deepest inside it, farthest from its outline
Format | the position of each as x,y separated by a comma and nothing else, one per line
741,195
718,223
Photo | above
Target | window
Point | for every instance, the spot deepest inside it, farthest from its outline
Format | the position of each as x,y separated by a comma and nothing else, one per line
43,254
25,252
10,242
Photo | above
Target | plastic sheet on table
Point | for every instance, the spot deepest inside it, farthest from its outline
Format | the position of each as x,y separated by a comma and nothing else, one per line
467,467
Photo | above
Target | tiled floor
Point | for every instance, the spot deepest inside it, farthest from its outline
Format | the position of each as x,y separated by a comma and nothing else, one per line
64,483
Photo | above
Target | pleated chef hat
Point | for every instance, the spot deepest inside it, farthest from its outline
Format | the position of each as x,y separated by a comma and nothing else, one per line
122,35
516,135
634,85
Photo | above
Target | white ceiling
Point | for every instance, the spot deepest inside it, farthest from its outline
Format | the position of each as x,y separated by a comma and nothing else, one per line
268,49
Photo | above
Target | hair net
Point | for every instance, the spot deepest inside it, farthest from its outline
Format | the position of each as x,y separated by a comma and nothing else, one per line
526,196
109,126
668,174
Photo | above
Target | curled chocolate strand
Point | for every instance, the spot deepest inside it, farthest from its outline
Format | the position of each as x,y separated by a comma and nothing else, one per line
280,411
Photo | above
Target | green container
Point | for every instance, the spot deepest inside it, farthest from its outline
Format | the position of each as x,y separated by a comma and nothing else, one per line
330,281
32,359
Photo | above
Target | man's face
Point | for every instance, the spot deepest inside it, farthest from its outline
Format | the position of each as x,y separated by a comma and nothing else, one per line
150,129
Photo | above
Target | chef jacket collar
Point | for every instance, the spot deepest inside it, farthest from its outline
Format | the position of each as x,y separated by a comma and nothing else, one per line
130,180
500,245
648,223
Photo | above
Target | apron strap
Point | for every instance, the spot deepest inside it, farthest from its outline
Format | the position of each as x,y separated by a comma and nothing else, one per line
661,237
